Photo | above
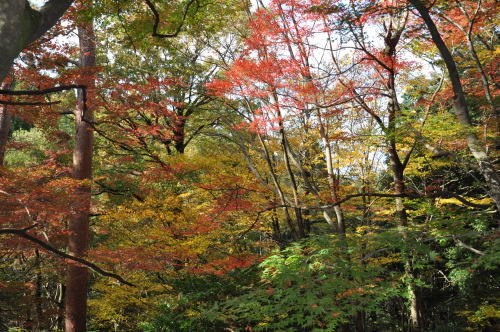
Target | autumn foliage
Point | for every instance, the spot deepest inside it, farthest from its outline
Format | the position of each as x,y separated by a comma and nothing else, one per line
280,165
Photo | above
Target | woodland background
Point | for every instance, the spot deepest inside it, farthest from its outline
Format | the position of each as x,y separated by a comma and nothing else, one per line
281,165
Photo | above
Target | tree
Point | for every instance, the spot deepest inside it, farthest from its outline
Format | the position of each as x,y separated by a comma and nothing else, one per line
78,238
476,147
265,165
21,25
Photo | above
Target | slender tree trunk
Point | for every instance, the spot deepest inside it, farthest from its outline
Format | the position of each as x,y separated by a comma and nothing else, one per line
307,76
476,147
78,242
398,169
413,295
5,120
297,210
286,156
306,176
278,188
58,319
41,321
484,78
332,182
391,39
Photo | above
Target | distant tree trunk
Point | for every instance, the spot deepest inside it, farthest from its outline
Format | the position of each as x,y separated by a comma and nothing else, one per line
180,135
301,227
332,181
304,58
476,147
41,321
78,242
279,190
5,120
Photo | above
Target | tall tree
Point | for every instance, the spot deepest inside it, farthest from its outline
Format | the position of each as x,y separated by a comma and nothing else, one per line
476,147
78,241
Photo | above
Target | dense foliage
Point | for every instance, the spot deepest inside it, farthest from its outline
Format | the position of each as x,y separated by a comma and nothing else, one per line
279,165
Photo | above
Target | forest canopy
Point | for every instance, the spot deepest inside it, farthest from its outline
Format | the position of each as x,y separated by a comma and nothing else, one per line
249,165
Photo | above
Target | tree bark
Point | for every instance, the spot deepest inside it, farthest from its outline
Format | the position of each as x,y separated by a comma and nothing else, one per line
302,228
78,242
393,34
20,25
279,190
332,181
476,147
5,120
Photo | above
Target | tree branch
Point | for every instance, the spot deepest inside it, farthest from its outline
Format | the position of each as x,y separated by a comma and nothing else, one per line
463,245
408,195
27,103
23,233
47,91
48,15
157,20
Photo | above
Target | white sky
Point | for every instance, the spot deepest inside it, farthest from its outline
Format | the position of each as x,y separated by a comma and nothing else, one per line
37,3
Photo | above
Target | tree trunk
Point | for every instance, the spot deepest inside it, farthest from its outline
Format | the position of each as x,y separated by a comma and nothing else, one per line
398,169
476,147
20,25
286,156
279,190
78,242
179,134
414,299
331,176
5,120
391,41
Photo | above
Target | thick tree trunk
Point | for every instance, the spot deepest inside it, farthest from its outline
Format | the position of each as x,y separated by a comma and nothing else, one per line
180,136
78,243
476,147
20,25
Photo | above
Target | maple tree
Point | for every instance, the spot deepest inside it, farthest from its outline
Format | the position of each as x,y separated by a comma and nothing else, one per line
302,165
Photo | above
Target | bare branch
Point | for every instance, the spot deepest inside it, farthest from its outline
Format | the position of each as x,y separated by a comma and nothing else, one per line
23,233
27,103
463,245
157,20
47,91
